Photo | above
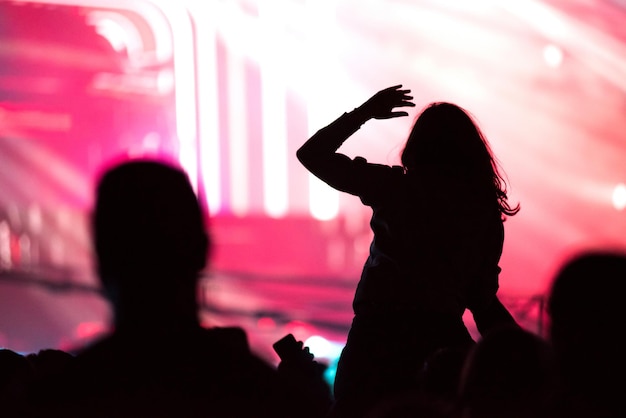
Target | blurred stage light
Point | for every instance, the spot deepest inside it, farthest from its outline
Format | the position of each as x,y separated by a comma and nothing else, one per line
553,55
619,196
320,347
265,323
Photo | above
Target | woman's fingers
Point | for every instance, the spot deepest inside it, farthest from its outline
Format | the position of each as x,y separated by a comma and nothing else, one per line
406,104
383,103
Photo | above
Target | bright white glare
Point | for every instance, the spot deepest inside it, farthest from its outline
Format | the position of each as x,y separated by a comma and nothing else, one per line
237,135
541,15
273,94
619,196
208,106
322,83
113,33
184,66
320,347
165,81
323,200
600,51
553,55
157,15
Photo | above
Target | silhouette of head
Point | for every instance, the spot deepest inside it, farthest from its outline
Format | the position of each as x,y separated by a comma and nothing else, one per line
445,134
445,137
586,315
509,372
582,291
149,232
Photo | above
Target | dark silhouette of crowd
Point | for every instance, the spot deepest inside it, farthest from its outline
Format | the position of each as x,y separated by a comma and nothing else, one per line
438,224
151,243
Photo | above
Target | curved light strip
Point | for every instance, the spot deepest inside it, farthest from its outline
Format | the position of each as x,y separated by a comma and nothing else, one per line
166,17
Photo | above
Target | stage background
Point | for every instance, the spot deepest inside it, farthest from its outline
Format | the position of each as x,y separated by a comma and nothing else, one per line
231,89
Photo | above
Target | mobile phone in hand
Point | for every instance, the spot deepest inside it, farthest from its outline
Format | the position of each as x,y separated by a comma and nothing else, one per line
287,347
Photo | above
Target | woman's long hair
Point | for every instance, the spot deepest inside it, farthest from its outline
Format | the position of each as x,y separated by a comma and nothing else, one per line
445,135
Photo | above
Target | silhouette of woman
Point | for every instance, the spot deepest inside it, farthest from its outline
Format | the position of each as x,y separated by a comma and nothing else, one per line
438,235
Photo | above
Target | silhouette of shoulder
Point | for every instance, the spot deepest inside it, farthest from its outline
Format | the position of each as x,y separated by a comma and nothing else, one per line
195,373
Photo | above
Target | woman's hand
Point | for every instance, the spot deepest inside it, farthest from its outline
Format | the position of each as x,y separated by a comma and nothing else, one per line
382,104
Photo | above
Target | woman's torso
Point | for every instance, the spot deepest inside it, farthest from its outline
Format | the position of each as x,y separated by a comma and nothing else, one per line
437,241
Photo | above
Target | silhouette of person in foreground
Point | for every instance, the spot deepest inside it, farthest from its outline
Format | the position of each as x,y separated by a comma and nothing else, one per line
438,236
151,244
586,319
511,373
16,374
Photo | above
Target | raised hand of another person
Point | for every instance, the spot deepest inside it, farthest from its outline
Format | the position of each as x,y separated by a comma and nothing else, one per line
382,104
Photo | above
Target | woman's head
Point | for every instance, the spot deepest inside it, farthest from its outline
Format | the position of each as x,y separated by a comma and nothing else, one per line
444,135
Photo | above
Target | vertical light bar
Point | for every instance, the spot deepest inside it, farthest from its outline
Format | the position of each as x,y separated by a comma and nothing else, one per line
273,99
323,201
237,133
185,86
208,104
